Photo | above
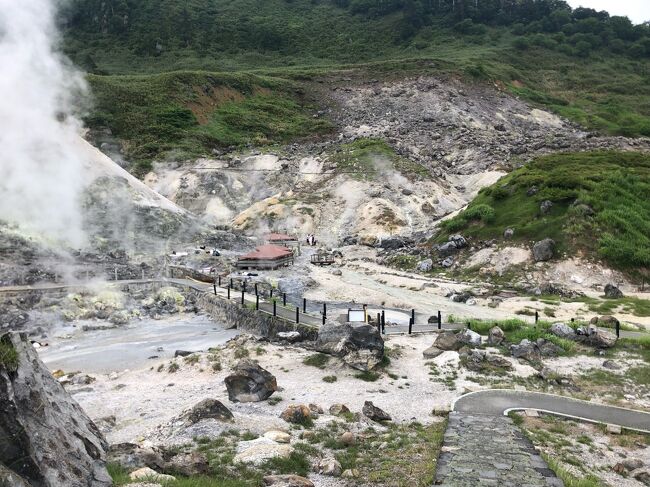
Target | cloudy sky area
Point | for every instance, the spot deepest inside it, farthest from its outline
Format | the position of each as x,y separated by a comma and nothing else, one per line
637,10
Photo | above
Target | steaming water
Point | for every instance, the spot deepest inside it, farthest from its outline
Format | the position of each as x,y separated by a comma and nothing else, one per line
130,346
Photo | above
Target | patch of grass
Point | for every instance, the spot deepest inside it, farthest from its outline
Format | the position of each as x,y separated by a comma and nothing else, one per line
330,378
173,367
192,359
273,400
368,376
319,360
569,479
241,352
8,354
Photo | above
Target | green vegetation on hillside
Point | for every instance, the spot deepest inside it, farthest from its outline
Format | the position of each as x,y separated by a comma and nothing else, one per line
600,204
8,354
191,113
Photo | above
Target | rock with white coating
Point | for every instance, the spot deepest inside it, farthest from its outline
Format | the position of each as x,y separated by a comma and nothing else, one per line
250,383
146,473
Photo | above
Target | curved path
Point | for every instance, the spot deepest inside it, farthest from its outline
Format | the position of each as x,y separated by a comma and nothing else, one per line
498,402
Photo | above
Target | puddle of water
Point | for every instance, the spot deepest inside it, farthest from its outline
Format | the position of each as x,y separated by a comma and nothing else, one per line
132,345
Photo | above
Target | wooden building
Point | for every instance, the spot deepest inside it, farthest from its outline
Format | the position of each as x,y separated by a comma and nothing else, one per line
266,257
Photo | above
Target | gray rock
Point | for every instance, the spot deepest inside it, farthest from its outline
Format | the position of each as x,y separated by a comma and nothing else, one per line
563,330
496,336
526,350
509,233
447,340
425,265
46,437
189,464
290,336
459,241
287,481
250,383
393,243
330,466
447,249
461,297
596,337
545,207
359,346
371,411
448,262
432,352
208,409
532,191
613,292
338,409
132,457
469,337
544,250
548,349
611,365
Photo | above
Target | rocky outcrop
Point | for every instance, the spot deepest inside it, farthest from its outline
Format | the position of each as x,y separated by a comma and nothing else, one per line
51,441
359,346
563,330
250,383
544,250
469,337
447,340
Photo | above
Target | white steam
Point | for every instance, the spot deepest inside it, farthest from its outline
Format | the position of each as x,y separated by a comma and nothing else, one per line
41,170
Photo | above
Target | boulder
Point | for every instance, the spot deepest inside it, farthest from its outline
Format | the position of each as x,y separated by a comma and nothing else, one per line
447,248
545,207
47,438
498,361
146,473
432,352
189,464
596,337
393,243
348,438
461,297
290,336
548,349
469,337
606,321
131,456
296,413
371,411
526,350
208,409
508,233
496,336
250,383
563,330
448,262
544,250
260,450
613,292
338,409
424,265
330,466
359,346
459,241
611,365
447,340
278,436
287,481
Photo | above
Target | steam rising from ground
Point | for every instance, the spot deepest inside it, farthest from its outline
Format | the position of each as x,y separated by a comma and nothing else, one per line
41,170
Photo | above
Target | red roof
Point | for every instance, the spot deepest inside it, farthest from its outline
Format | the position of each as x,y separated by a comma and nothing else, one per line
279,237
267,252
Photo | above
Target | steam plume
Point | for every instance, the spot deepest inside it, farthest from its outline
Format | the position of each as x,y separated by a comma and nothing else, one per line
40,165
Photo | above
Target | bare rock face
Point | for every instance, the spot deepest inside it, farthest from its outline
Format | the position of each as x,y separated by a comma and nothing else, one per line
359,346
51,440
250,383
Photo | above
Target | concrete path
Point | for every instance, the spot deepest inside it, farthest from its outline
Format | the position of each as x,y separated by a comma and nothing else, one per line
486,450
497,402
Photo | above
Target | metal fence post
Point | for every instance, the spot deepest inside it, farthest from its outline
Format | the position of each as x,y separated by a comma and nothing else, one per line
536,317
275,308
297,314
214,287
271,293
410,325
304,305
219,281
413,316
242,297
439,320
228,292
618,329
256,289
284,299
257,301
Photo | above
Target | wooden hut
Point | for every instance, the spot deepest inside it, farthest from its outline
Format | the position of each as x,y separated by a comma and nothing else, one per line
281,239
266,257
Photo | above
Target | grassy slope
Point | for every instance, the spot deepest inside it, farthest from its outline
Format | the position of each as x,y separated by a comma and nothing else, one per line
600,205
192,112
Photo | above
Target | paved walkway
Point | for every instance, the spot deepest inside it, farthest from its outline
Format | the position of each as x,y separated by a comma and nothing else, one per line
496,402
486,450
